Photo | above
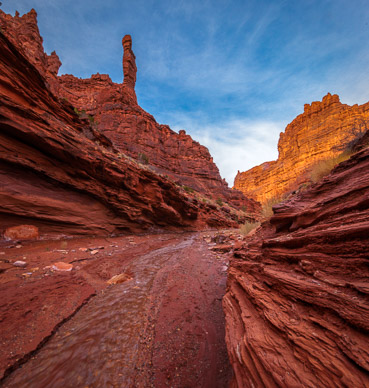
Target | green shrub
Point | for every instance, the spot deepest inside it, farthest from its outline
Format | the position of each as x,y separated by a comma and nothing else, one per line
219,201
188,189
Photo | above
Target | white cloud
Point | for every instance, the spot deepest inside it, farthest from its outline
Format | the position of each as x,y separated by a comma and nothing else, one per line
236,144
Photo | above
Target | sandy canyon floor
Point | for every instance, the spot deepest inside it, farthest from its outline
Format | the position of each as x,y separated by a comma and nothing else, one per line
162,326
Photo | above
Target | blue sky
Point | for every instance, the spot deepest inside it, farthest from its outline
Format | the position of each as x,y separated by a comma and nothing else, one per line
233,74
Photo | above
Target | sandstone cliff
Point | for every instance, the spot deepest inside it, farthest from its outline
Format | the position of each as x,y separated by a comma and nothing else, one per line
297,301
61,174
322,132
113,110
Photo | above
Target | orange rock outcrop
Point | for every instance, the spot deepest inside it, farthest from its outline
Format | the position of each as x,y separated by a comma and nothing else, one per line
322,132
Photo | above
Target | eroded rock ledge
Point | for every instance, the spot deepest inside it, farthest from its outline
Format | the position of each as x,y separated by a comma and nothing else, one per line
113,110
62,175
297,303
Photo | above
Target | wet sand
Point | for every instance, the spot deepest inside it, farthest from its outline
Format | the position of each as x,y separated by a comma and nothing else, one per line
162,327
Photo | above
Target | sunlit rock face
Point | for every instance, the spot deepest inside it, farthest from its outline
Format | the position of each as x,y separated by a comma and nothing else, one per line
297,301
113,111
323,131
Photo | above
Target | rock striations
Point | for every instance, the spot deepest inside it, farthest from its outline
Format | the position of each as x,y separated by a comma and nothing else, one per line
322,132
63,176
61,172
297,302
113,110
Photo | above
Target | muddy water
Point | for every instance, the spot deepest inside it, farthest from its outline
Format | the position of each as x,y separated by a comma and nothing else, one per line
102,345
99,346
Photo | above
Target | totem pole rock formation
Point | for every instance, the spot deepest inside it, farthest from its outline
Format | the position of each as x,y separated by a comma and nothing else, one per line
129,68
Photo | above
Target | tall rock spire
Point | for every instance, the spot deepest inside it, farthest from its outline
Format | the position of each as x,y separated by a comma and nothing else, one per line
129,67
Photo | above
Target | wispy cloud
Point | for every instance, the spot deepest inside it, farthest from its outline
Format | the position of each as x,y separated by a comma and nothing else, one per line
226,71
235,144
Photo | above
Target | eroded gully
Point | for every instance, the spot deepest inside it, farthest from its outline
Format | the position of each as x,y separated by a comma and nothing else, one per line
165,327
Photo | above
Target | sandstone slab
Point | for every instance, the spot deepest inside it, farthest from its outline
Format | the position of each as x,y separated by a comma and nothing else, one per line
21,232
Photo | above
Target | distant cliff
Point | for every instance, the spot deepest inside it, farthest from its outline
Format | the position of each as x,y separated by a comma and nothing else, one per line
113,110
322,132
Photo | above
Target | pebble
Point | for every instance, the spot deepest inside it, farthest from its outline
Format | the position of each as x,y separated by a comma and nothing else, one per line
18,246
117,279
20,263
83,249
61,266
94,252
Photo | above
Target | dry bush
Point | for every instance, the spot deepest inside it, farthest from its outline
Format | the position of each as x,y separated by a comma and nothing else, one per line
247,227
324,167
267,207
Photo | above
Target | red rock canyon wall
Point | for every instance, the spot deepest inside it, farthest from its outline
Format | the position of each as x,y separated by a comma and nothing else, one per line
115,112
297,301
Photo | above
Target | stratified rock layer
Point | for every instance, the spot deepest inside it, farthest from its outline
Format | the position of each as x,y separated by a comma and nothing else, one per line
297,302
61,175
322,132
113,110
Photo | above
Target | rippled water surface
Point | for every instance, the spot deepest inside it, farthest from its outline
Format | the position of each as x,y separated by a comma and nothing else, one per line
98,347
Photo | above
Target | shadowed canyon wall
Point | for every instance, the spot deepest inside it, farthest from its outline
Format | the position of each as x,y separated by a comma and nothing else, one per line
113,110
297,301
322,132
60,173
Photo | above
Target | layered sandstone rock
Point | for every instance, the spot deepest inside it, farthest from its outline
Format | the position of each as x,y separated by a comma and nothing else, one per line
322,132
113,111
297,302
60,174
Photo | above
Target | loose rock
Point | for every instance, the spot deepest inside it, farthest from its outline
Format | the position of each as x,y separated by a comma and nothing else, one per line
121,278
20,263
21,232
61,266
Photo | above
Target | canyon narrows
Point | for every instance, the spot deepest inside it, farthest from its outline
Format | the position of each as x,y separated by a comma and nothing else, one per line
121,261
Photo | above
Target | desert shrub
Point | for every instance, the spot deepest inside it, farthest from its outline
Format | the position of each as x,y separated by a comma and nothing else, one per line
267,206
247,227
143,158
188,189
219,201
324,167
